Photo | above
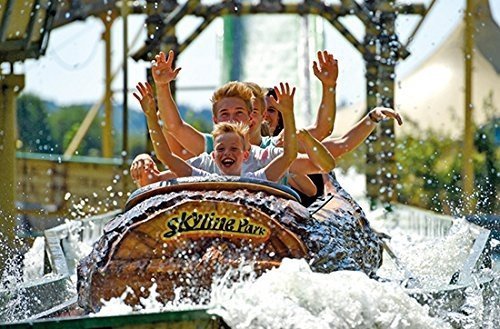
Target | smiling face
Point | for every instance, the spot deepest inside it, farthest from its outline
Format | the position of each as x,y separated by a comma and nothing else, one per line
229,153
271,116
256,116
231,109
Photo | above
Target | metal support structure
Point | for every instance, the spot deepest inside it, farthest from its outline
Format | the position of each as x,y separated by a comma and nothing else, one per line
381,50
10,86
107,128
124,153
372,147
91,115
389,49
468,166
124,16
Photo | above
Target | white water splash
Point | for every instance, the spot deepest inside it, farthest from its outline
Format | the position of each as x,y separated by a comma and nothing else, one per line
292,296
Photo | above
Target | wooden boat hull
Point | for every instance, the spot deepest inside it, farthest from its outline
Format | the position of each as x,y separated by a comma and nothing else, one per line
182,232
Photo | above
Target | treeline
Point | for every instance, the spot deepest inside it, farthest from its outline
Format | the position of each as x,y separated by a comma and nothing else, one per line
429,169
44,127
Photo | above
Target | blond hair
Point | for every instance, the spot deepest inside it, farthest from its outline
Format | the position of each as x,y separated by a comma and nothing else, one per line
237,128
233,89
258,93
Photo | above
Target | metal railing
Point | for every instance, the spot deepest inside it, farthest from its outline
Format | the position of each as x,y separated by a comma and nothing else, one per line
51,189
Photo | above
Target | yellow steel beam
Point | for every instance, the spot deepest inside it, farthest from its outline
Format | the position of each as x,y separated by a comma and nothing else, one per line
10,86
107,129
468,166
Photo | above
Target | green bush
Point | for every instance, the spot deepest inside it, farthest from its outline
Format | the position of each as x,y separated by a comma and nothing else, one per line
429,168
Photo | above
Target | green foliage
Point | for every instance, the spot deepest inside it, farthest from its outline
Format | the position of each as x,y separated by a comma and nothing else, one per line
487,176
51,131
64,124
34,131
430,168
197,122
429,172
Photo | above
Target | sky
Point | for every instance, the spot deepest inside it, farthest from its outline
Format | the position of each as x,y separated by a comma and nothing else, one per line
72,71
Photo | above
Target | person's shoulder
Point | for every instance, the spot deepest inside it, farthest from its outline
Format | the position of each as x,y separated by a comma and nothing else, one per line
269,141
204,157
209,142
263,154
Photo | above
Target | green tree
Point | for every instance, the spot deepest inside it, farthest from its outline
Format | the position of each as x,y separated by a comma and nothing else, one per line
197,122
32,122
64,124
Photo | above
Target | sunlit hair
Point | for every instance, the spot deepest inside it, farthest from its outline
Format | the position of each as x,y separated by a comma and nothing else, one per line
232,89
258,93
237,128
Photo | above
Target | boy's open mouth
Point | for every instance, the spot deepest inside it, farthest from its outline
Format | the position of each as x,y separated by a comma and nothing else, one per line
227,162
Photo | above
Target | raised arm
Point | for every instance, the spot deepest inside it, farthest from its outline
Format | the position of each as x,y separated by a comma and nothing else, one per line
354,137
302,183
145,96
284,103
316,151
326,70
163,74
174,163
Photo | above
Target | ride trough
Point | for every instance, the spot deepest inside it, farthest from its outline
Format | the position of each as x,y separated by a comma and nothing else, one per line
177,237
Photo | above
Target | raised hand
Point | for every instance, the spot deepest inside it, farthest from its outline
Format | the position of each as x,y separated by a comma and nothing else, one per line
284,101
327,71
381,113
143,170
162,70
146,98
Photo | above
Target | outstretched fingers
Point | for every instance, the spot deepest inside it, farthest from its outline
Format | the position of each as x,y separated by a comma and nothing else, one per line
137,97
176,72
322,55
141,88
149,88
170,58
316,68
284,89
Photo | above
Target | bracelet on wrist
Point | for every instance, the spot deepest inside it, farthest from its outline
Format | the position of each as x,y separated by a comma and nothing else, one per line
372,118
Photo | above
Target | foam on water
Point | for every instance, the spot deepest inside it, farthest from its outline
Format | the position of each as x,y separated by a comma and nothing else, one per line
432,260
292,296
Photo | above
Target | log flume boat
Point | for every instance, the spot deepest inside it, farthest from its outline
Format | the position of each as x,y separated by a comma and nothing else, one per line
180,233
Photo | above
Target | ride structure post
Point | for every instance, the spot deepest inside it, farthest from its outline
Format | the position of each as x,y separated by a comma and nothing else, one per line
386,76
10,86
107,128
382,53
468,148
372,145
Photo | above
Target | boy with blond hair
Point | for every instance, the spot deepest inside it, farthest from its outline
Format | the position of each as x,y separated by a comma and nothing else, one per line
231,147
